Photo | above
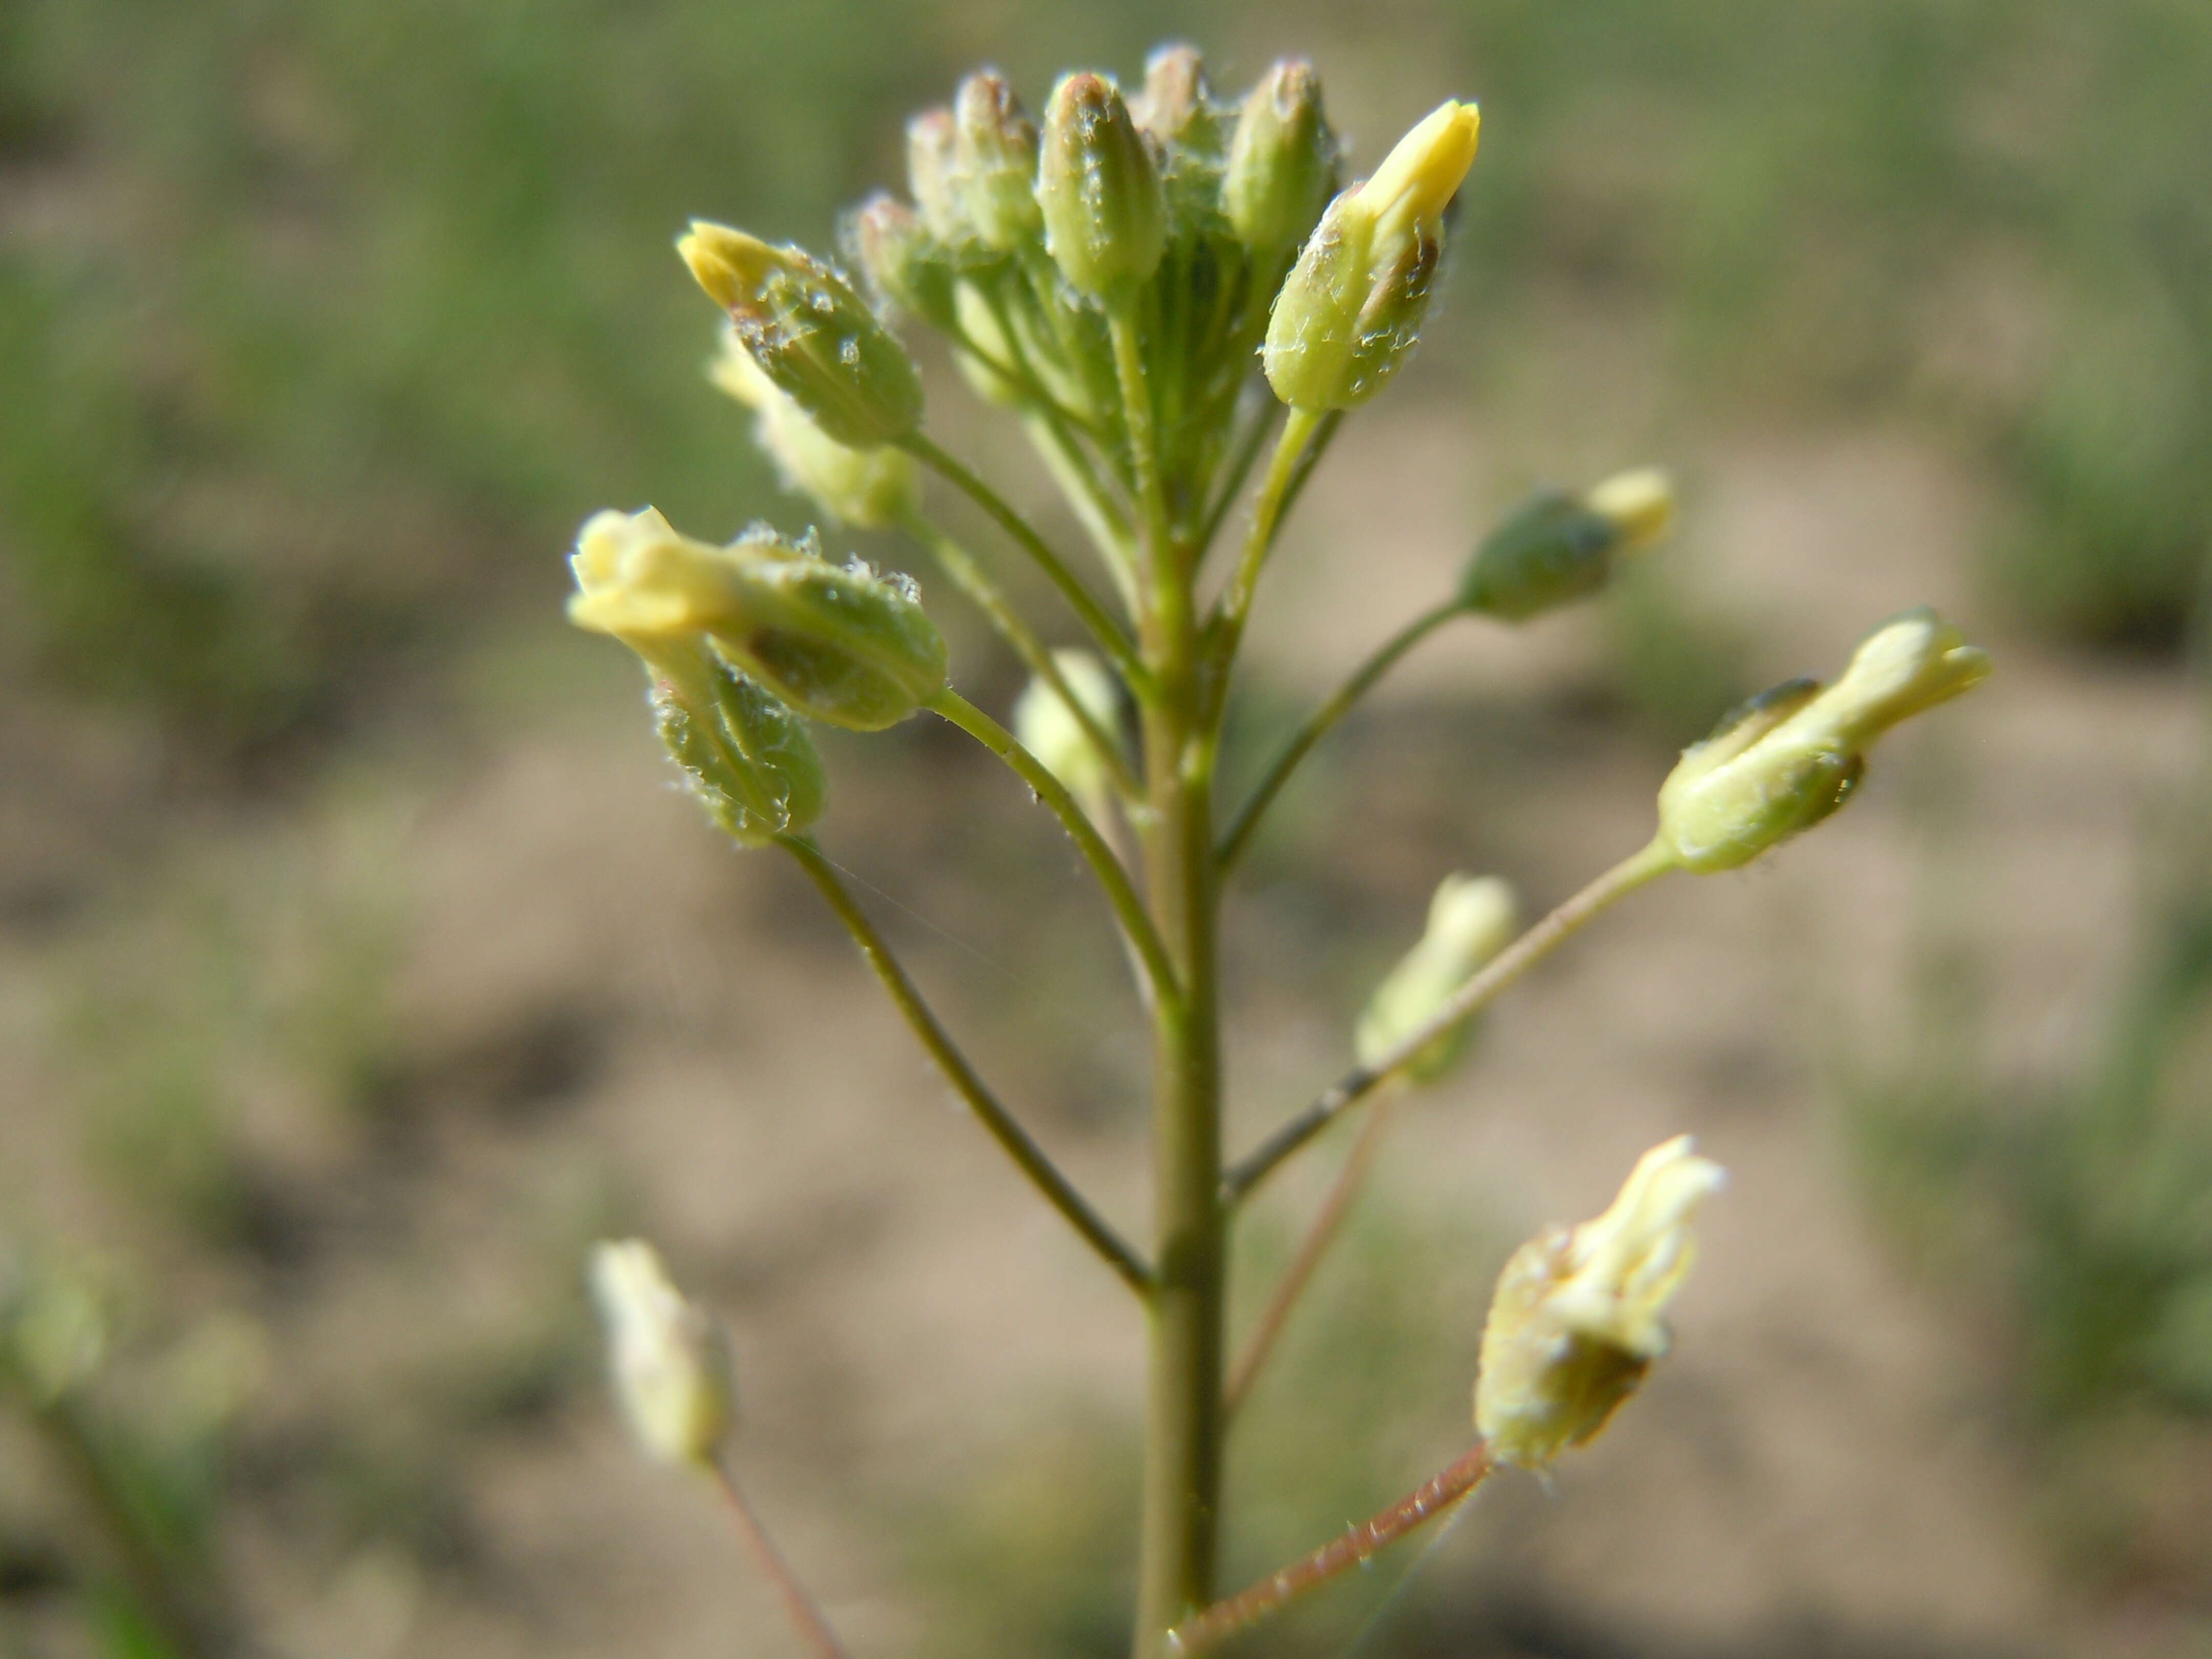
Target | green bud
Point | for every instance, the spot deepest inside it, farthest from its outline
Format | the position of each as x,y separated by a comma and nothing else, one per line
1352,308
906,265
746,758
809,333
1557,547
869,488
996,151
1283,161
1176,105
1471,920
1099,187
934,175
1049,729
1793,755
838,643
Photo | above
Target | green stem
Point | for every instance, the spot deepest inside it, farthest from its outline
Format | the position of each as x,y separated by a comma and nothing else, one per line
1241,460
1167,990
1502,971
1022,640
1440,1493
1144,443
1362,679
1236,602
1002,1126
1104,629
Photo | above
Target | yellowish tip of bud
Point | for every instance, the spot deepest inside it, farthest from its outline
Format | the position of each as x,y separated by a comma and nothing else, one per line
726,263
670,1363
1424,170
1471,920
1580,1313
1639,505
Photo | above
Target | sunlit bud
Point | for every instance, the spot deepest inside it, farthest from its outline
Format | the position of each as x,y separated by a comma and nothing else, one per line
811,333
1048,729
1556,548
1580,1313
997,153
1471,920
867,487
746,758
1104,215
1282,161
908,267
934,176
669,1362
1176,106
1792,756
838,643
1350,311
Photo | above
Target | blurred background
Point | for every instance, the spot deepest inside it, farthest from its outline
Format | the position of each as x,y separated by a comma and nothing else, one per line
358,965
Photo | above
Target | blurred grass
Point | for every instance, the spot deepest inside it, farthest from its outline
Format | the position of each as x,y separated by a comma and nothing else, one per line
324,323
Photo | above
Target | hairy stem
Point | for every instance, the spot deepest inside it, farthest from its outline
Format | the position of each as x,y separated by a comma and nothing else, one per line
1166,986
1002,1126
1104,629
806,1618
1439,1493
1503,970
1022,640
1317,725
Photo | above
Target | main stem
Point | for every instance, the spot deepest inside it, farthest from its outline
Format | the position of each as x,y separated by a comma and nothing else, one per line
1183,1451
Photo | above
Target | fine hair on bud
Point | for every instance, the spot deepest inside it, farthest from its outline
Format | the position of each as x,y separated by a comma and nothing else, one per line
1105,218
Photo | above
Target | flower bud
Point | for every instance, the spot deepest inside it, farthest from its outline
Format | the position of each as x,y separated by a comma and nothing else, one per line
1471,920
1048,728
1557,548
1099,187
1792,756
1176,105
54,1330
669,1362
907,267
1350,311
1282,162
869,489
1580,1313
746,758
810,334
996,151
933,175
839,644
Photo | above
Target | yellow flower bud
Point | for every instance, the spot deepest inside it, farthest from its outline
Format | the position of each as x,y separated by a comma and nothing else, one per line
1793,755
1556,548
869,488
1105,217
1580,1313
809,333
1048,729
1471,920
1352,308
839,644
670,1363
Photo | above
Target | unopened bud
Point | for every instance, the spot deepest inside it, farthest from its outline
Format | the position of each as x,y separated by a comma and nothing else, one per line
1580,1313
838,643
1352,308
670,1363
1557,548
1176,105
1792,756
1471,920
869,489
1283,161
996,154
1099,187
933,175
810,334
1048,728
745,756
909,267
